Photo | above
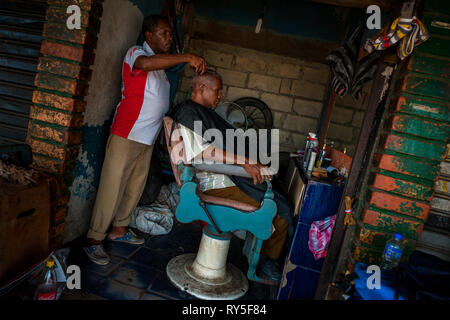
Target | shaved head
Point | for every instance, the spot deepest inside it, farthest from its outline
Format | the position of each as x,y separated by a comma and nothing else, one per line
207,78
207,89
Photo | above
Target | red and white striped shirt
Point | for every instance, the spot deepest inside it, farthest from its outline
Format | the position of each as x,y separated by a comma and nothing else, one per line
145,99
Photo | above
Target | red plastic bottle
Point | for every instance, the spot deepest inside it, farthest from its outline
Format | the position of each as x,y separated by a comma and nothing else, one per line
47,290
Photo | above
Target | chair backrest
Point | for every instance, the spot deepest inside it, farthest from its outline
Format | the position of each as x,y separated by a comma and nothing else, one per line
175,149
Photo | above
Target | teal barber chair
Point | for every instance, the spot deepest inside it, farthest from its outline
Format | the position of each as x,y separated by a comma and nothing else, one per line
207,275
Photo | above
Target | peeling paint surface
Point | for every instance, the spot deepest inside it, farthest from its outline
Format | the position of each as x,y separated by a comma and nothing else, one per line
120,28
387,75
400,205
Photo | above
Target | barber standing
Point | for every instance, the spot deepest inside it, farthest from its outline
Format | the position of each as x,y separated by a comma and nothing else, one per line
136,125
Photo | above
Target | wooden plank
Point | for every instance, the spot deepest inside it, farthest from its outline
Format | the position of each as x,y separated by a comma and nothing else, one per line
438,6
436,46
423,107
407,166
419,127
403,187
408,227
430,65
367,255
415,147
399,204
437,25
326,115
378,99
376,238
371,255
430,87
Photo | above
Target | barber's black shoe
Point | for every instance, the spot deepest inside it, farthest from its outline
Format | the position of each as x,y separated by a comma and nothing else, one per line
269,268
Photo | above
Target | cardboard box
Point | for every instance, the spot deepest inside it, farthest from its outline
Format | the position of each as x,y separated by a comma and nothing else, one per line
24,227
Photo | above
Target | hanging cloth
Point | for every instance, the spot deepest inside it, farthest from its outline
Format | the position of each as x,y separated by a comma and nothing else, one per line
410,32
319,236
349,74
342,62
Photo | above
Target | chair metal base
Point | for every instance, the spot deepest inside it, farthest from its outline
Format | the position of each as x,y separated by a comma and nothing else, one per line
180,272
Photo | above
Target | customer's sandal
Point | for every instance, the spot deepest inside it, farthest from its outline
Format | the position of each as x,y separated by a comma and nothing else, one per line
97,254
129,237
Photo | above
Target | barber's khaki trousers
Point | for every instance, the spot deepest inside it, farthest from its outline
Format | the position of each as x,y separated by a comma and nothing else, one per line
273,246
122,181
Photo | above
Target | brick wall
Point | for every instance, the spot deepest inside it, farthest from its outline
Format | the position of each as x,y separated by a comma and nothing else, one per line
294,90
56,115
411,148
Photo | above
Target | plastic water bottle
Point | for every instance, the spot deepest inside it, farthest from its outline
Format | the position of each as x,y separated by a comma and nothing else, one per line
392,252
47,289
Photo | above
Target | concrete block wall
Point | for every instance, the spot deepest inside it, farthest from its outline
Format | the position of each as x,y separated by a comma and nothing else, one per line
56,115
346,120
293,89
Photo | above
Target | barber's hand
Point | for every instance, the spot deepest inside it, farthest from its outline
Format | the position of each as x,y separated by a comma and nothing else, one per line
257,171
197,62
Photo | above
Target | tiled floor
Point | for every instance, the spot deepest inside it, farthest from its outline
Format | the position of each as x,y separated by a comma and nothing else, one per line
138,272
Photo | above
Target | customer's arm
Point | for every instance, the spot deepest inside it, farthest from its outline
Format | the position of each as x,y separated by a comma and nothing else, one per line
256,170
165,61
196,147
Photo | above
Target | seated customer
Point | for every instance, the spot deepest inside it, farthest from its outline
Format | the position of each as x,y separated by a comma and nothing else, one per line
206,94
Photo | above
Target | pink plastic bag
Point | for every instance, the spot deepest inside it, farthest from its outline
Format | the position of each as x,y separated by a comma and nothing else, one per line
319,236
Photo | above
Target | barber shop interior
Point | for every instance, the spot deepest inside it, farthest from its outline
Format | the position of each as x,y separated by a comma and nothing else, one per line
224,150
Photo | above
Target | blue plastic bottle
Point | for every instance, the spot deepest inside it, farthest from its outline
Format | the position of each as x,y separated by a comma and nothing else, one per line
392,252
